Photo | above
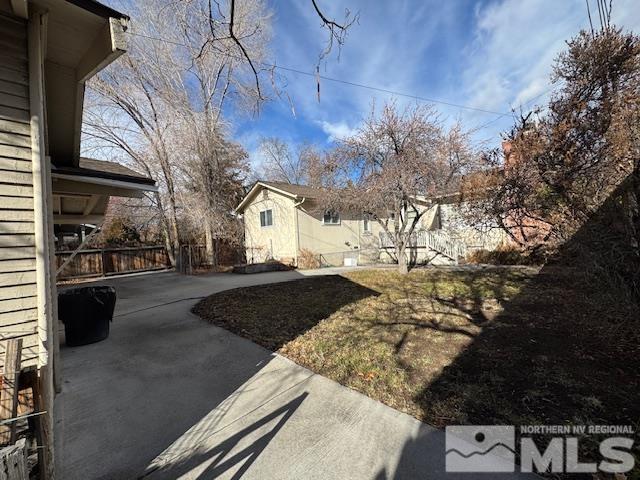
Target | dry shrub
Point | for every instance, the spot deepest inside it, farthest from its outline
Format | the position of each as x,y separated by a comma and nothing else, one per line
502,255
308,259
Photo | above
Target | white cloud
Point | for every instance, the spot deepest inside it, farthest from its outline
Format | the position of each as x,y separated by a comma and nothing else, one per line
495,56
509,58
337,131
513,49
386,49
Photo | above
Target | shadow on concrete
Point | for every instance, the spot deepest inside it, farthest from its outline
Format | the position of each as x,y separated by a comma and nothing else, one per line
424,457
222,462
161,371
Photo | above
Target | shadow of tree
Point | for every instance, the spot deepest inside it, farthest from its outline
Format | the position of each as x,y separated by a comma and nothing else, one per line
388,345
564,350
558,345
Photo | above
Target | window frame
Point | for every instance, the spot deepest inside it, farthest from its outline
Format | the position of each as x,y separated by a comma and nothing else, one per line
332,215
268,215
366,225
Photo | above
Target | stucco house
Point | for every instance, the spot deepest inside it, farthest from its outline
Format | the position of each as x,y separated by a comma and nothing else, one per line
283,220
48,50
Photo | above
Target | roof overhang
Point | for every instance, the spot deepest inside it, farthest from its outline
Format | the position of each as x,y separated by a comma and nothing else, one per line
20,8
82,37
63,182
141,182
257,187
79,198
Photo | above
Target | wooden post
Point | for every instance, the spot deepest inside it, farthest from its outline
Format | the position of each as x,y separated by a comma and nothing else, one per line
13,461
103,263
36,42
9,394
44,436
57,365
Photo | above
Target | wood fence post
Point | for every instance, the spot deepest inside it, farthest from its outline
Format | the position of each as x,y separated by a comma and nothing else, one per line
13,461
9,394
103,263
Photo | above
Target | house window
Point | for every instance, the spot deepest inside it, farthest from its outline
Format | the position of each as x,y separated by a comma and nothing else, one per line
366,225
331,218
266,218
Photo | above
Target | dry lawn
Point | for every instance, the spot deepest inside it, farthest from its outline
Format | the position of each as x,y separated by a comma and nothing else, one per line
487,346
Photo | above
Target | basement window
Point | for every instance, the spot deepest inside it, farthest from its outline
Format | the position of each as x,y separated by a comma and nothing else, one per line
266,218
331,218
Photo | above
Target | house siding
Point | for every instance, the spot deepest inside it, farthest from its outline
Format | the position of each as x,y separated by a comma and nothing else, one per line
18,300
300,227
277,241
453,219
327,239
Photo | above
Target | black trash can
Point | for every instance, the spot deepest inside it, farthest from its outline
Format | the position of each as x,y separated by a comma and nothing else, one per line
86,313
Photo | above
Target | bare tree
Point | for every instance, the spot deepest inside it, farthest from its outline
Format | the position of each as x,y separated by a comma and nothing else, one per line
563,165
128,115
162,103
282,164
214,171
576,168
394,163
144,103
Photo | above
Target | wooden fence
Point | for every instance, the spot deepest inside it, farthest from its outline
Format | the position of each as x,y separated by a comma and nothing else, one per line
194,257
112,261
13,461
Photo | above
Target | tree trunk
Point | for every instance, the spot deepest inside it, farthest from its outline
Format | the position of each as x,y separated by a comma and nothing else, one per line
403,268
209,243
165,231
167,172
168,245
173,223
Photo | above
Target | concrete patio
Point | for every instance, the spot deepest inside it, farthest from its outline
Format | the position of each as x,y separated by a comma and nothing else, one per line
168,396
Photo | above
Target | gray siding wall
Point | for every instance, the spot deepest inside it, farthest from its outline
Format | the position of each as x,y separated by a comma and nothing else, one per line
18,307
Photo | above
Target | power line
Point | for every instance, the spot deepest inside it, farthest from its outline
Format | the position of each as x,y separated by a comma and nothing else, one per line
490,122
337,80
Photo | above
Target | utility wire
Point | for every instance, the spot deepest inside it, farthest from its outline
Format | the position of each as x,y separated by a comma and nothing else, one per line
337,80
485,125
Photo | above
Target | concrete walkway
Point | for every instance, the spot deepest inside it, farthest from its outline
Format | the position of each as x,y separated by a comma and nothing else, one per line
170,396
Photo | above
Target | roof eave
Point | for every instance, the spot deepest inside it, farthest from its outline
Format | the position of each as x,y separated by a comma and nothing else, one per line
99,9
256,187
86,172
125,183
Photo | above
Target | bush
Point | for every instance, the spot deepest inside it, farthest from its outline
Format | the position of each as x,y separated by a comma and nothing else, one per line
502,255
308,259
120,232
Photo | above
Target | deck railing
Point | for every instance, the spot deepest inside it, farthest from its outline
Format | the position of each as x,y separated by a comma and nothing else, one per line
436,240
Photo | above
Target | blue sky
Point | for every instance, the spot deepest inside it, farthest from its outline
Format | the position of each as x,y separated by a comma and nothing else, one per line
493,55
488,54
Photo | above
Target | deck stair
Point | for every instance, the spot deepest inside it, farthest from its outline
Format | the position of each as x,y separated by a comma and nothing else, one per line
437,240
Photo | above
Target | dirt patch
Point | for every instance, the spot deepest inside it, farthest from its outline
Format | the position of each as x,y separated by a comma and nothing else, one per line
274,314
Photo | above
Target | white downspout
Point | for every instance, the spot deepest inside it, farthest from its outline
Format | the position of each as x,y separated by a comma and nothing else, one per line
295,220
